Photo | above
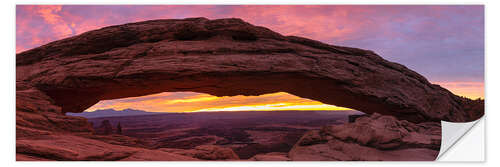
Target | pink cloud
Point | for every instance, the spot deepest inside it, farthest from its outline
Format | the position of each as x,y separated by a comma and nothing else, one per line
468,89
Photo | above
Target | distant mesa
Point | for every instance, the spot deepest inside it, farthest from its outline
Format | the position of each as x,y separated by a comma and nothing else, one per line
111,113
119,129
106,128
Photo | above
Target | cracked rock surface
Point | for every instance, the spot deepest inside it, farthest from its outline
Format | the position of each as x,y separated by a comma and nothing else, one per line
371,138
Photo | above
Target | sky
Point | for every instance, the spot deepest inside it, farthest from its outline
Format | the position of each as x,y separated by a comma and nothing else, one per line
443,43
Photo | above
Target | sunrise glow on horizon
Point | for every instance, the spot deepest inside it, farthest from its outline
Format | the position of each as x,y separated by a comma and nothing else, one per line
199,102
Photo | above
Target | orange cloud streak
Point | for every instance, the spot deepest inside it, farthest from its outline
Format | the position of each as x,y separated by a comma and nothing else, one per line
471,90
49,13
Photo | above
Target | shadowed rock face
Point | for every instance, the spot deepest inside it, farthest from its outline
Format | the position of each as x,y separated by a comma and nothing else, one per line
228,57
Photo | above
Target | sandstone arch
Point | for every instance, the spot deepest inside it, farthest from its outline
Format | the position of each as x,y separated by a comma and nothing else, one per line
221,57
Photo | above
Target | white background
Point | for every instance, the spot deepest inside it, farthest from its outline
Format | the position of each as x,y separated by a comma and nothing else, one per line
468,144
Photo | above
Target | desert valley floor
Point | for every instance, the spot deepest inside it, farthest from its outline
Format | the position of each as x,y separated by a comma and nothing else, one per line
247,133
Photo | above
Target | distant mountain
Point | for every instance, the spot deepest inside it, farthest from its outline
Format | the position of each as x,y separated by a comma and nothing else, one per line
111,113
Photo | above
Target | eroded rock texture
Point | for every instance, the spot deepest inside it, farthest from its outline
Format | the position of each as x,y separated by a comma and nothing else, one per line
272,156
71,147
223,57
371,138
228,57
205,152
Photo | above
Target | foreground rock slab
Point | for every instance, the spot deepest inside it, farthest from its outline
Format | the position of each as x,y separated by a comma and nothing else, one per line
273,156
371,138
75,148
206,152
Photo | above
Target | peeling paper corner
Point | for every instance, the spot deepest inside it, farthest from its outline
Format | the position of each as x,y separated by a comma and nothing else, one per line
451,133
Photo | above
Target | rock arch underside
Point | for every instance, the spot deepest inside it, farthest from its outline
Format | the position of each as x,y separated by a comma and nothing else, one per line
223,57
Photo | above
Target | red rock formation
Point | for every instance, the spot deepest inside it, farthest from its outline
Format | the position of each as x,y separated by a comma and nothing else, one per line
205,152
372,138
119,129
272,156
70,147
228,57
223,57
37,115
105,128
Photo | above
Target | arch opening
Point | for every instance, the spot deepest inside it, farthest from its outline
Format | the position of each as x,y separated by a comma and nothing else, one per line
302,85
180,102
248,125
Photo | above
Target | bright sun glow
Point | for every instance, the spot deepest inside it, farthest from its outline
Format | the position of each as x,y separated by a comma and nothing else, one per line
277,107
197,102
